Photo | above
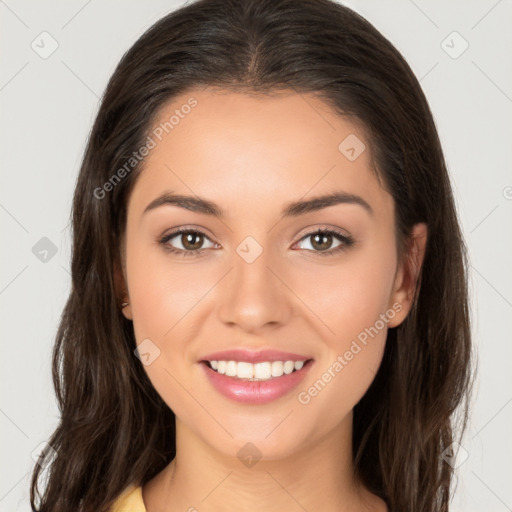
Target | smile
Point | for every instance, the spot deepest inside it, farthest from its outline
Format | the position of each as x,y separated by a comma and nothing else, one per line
268,381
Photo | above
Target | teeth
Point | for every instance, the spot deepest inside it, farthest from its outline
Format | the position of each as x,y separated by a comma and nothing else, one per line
256,371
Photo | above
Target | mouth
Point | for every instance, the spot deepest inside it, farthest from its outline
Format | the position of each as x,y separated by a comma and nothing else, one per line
255,384
260,372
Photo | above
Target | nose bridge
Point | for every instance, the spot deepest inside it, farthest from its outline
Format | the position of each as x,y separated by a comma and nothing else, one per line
253,296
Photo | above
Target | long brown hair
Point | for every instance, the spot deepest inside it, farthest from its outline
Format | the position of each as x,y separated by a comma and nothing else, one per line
114,428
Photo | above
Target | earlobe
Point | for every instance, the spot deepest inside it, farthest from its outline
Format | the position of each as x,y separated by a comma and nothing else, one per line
121,291
407,278
127,312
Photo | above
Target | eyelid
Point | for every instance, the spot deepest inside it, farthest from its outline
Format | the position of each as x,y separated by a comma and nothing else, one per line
323,227
187,228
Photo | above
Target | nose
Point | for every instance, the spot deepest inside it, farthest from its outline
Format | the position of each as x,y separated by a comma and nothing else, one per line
254,296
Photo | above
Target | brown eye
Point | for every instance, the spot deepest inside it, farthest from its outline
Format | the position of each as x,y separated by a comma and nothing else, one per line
188,242
321,242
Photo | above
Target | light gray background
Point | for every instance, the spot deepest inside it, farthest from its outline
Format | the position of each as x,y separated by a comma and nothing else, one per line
48,106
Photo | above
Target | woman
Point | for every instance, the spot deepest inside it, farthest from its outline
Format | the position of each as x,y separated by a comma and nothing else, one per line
269,305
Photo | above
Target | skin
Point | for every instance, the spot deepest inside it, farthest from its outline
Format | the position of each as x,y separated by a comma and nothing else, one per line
252,155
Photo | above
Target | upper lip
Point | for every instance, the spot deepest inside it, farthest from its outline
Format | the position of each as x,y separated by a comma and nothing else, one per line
250,356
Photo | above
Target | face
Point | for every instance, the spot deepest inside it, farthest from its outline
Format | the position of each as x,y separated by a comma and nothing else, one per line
321,281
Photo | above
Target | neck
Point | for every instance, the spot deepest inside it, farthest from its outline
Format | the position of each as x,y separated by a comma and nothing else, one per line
317,477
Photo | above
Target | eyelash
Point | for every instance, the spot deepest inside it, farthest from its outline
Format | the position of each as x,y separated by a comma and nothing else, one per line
348,241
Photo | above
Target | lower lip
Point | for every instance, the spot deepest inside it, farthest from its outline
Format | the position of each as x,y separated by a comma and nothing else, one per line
256,392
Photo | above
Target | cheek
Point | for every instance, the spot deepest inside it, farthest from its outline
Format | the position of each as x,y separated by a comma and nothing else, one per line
351,304
349,297
163,297
169,301
162,291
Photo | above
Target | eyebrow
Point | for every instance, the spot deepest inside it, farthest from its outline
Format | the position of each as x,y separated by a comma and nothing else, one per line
293,209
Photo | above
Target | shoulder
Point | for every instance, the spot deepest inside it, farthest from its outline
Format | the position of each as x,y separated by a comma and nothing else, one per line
130,500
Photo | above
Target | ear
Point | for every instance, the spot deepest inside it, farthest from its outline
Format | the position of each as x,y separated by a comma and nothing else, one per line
408,273
121,289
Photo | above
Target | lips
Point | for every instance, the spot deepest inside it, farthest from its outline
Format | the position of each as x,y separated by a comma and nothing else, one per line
249,356
251,391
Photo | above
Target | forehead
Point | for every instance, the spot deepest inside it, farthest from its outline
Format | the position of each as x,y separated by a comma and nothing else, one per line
247,149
